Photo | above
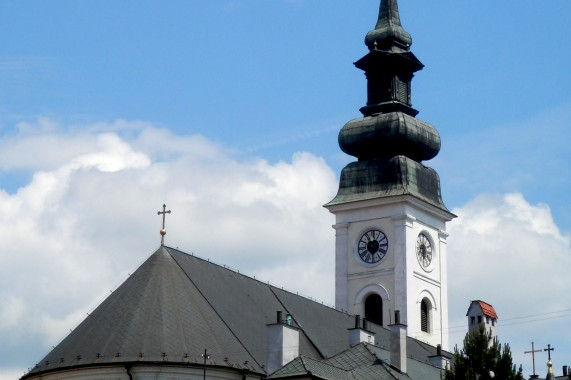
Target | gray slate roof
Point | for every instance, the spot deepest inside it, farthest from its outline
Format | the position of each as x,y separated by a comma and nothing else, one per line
177,305
358,362
303,366
363,361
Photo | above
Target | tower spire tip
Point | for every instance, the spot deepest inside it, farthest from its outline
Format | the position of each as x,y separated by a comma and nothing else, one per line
388,32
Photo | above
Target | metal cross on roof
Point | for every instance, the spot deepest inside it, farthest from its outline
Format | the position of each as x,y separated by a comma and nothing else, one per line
163,231
549,349
532,352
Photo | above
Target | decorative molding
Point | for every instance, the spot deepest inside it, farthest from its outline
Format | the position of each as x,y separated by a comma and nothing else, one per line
372,289
406,220
443,235
341,227
427,294
369,203
424,277
378,272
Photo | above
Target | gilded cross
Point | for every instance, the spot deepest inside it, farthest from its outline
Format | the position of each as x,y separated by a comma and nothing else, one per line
549,349
163,231
532,352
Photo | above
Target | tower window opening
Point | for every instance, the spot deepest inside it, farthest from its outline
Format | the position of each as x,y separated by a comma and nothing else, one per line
374,309
472,320
424,315
402,92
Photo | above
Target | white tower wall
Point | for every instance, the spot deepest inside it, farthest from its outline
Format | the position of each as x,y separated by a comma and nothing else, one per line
398,279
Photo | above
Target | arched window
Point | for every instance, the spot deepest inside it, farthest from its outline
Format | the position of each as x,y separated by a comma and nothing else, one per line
374,309
424,315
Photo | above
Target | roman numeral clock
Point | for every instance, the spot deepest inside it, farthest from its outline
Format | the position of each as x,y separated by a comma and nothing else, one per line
423,250
372,247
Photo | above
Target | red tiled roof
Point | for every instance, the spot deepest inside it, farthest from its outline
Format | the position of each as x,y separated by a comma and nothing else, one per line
488,309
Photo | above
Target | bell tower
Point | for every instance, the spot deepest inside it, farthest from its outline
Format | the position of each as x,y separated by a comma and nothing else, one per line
390,250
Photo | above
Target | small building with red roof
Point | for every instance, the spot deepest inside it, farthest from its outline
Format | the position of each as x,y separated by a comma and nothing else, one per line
482,313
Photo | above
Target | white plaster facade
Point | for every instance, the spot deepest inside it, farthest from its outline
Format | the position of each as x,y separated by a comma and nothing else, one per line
283,345
398,279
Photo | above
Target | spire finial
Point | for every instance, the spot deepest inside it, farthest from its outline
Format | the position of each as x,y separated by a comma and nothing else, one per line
549,349
550,375
163,231
388,32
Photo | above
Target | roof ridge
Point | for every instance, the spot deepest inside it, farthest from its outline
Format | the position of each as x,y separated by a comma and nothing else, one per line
488,309
368,348
267,282
297,323
214,309
325,362
302,359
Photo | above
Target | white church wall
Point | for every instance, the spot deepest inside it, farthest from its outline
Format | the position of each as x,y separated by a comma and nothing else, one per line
427,283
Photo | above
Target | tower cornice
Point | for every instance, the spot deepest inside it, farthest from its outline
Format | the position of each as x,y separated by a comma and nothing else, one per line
362,204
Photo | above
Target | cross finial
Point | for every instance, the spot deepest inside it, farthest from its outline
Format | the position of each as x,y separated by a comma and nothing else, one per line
163,231
532,352
549,349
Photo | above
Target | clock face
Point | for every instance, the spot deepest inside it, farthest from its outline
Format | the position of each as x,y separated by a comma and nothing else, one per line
372,247
423,250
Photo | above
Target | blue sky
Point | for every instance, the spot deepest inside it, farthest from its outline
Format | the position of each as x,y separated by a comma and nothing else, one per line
244,92
274,77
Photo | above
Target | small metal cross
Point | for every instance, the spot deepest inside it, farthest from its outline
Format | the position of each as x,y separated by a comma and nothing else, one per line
532,352
549,349
163,231
205,356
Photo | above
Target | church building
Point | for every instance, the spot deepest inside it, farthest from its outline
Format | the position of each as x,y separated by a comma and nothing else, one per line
181,317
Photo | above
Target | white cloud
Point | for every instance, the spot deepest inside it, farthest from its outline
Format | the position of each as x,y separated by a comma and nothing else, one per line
11,374
89,215
530,156
510,253
112,155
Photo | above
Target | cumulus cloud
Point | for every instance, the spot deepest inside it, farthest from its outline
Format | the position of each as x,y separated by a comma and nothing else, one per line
10,373
511,254
88,216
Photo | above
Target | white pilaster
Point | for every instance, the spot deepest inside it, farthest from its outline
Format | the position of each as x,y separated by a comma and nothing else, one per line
341,266
403,231
442,235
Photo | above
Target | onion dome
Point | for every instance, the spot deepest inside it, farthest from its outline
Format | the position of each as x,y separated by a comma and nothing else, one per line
388,135
389,141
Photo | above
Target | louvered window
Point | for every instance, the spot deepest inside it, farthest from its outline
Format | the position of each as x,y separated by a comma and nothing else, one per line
402,91
424,315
